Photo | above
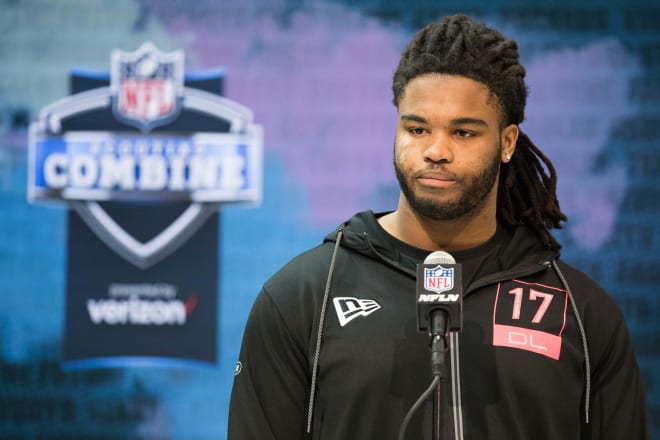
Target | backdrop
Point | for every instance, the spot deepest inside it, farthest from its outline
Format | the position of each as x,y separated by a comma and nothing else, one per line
317,75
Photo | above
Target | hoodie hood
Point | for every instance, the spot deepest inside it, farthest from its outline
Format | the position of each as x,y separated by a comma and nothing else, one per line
522,250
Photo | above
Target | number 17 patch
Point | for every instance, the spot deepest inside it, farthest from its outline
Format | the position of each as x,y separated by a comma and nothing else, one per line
529,316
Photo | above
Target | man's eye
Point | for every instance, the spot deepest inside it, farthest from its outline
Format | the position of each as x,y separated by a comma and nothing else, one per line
416,131
464,133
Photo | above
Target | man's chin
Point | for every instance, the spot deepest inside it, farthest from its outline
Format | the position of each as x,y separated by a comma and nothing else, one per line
440,212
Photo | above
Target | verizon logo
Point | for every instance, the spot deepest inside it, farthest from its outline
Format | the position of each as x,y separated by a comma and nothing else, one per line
348,308
136,311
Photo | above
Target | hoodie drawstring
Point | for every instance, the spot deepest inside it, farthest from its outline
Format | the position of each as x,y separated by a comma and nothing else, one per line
583,334
319,334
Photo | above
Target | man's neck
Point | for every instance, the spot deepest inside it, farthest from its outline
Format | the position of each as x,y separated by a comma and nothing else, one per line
448,235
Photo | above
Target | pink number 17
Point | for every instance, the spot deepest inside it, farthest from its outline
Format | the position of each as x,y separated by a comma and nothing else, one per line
534,295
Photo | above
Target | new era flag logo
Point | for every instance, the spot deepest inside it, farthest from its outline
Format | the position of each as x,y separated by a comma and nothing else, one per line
348,308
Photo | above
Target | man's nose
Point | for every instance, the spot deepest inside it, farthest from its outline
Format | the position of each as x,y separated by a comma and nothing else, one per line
439,150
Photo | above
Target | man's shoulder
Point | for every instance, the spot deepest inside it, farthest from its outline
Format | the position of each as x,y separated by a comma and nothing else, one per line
308,267
589,294
577,278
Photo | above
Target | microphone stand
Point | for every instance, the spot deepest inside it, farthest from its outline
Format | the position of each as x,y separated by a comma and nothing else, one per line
438,348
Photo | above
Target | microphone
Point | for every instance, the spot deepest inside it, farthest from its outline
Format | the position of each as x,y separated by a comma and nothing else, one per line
439,304
439,289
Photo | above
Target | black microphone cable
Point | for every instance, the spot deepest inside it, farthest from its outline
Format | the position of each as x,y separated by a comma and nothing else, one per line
438,350
413,409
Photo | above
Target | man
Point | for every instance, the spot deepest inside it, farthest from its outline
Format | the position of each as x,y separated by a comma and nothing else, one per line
331,348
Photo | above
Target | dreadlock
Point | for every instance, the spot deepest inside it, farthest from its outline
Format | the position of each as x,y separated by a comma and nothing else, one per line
458,46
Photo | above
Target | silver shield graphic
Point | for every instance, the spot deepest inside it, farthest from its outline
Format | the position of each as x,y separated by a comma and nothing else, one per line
143,255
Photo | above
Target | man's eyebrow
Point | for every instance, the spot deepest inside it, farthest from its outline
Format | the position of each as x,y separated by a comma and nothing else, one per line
457,121
469,121
414,118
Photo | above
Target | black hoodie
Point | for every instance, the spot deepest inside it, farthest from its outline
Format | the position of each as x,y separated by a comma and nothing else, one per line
331,347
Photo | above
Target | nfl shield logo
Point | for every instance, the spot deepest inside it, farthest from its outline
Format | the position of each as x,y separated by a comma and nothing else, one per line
439,279
146,86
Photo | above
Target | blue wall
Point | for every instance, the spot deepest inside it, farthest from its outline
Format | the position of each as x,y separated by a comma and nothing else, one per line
317,76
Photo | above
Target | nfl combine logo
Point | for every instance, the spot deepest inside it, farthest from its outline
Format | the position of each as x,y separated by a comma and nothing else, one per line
146,86
207,153
439,279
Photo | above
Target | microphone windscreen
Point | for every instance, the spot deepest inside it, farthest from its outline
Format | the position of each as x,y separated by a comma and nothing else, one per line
439,257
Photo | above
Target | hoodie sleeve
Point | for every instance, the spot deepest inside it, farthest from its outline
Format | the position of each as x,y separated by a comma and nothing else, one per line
270,390
618,400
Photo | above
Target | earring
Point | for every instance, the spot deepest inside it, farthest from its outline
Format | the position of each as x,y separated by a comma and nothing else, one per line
508,157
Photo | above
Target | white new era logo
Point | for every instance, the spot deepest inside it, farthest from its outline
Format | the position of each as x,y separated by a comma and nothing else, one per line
350,308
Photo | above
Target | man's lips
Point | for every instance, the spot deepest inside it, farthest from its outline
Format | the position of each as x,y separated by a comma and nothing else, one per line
436,179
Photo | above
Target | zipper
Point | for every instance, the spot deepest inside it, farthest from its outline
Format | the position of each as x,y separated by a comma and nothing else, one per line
457,404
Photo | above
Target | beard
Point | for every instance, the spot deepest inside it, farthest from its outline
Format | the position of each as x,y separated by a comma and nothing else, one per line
475,190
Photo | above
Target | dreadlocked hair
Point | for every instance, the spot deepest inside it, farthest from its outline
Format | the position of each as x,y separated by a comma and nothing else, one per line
458,46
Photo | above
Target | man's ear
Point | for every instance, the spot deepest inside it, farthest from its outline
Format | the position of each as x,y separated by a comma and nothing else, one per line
509,137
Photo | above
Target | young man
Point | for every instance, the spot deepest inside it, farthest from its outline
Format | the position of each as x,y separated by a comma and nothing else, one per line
331,348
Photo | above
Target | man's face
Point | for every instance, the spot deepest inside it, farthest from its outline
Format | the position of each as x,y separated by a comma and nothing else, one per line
449,146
